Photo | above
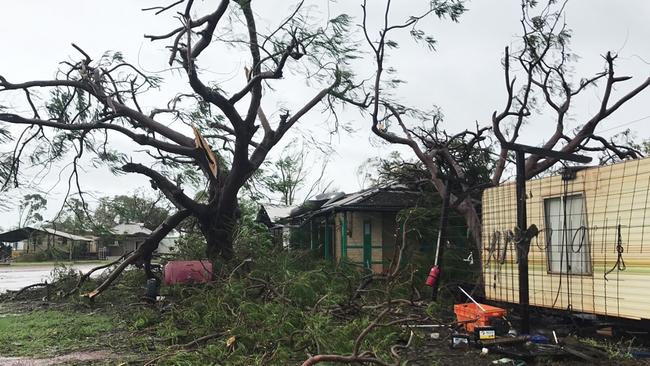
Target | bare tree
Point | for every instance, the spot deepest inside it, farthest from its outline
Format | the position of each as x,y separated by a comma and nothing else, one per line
92,101
541,82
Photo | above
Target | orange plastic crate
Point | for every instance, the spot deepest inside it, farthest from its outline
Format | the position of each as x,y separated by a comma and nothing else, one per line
472,316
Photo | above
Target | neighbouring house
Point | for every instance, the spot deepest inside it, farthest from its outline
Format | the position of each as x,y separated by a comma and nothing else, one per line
168,244
56,243
590,254
127,237
123,239
361,226
272,216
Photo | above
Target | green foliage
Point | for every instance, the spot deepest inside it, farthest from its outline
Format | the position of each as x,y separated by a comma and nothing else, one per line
191,245
286,175
32,257
250,238
77,217
616,349
131,209
276,296
30,209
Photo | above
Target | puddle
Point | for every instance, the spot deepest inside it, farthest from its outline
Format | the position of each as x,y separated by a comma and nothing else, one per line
14,278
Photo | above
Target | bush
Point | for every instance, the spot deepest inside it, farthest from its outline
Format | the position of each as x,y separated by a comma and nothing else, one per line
190,246
32,257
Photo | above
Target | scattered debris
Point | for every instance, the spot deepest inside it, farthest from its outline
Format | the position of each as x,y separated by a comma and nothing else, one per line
508,361
485,317
460,341
583,351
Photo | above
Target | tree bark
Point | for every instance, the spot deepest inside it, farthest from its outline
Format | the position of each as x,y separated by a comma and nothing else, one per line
218,231
473,221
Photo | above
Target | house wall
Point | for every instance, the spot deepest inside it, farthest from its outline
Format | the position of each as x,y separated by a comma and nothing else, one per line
40,241
168,244
18,248
389,235
126,244
381,242
616,210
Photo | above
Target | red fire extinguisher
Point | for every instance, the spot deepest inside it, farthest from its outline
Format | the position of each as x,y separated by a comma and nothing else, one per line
435,270
433,276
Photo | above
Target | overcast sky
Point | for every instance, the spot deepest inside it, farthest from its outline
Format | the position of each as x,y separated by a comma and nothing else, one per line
464,76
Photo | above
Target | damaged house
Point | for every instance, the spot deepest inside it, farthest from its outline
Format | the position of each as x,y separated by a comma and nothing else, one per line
360,226
272,216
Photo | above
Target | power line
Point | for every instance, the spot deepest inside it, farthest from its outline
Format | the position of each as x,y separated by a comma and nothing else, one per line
625,124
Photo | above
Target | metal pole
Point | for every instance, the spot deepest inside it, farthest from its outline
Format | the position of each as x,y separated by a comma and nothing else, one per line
472,299
435,262
523,243
442,237
311,233
523,239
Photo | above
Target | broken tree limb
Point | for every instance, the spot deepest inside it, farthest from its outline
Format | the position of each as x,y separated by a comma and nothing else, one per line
41,284
343,359
200,340
355,357
394,350
87,275
148,246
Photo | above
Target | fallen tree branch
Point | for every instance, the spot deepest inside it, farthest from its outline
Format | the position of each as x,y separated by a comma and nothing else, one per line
394,349
205,338
342,359
355,357
87,275
41,284
148,246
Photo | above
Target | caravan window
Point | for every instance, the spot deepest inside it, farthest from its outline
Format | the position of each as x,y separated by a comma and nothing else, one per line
567,239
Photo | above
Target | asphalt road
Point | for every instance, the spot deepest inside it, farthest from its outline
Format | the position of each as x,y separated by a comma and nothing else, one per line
14,277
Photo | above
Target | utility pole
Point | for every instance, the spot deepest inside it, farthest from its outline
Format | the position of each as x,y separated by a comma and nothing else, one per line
442,238
523,237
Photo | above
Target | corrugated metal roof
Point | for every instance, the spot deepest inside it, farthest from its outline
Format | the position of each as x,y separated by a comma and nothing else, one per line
350,199
392,197
277,212
25,232
130,229
65,235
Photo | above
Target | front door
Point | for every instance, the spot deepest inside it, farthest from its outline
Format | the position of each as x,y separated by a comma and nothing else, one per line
327,247
367,244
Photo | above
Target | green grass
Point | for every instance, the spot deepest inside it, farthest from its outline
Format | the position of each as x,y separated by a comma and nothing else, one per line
52,332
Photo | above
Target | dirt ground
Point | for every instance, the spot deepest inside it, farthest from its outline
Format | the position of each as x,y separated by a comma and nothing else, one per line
77,358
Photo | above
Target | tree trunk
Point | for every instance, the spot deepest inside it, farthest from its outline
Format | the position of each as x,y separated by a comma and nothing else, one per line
467,209
218,233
